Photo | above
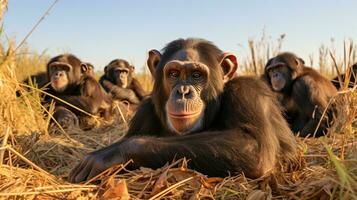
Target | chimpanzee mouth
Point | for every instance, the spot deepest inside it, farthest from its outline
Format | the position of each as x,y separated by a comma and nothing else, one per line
57,86
184,115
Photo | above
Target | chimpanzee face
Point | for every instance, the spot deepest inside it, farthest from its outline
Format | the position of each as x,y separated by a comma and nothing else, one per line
59,75
121,74
279,76
185,77
187,82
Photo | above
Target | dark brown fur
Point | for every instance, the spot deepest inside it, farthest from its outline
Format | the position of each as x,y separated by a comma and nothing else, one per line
83,92
243,128
133,93
305,97
40,79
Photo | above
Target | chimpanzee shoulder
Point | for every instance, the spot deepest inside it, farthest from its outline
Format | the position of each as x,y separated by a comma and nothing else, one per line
245,98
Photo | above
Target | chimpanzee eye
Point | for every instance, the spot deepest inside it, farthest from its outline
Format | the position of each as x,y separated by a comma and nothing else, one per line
197,75
174,74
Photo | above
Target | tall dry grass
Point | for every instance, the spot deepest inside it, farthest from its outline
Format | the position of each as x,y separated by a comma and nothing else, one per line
34,164
259,53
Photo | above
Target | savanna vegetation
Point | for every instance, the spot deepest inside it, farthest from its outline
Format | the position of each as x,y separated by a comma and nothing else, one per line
34,164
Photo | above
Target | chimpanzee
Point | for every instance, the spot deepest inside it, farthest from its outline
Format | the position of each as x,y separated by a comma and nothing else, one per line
40,79
118,80
70,82
302,91
351,81
223,125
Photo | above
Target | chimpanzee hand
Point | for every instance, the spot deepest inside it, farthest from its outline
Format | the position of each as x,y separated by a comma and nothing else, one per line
65,118
125,94
95,163
68,121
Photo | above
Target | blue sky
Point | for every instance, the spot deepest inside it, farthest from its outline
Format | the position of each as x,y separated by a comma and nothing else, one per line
99,31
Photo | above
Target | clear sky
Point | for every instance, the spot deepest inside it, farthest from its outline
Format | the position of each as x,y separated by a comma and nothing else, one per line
99,31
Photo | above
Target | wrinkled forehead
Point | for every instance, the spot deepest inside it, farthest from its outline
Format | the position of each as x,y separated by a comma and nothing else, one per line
187,59
60,64
281,61
185,55
287,59
118,65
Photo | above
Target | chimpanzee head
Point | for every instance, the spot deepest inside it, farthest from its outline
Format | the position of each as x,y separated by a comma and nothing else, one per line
65,70
119,72
281,70
189,78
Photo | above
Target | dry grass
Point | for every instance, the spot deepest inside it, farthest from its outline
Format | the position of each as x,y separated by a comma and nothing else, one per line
34,164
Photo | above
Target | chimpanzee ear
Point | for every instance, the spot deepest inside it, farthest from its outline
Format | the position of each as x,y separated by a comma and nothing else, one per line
105,69
268,63
84,68
153,61
229,66
300,62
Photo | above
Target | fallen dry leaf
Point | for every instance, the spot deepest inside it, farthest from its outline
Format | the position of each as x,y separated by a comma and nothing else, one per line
116,189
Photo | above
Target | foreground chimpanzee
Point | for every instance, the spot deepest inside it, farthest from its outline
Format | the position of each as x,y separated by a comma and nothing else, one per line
352,80
223,125
70,82
118,80
302,91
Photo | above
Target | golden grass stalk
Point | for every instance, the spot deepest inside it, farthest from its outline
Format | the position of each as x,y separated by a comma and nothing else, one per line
35,165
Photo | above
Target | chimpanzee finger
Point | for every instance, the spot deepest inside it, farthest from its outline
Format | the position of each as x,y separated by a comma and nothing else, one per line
94,172
82,174
77,169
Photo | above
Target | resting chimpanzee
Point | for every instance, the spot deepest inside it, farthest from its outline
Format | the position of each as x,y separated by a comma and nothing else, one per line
40,79
71,83
302,91
223,125
118,80
351,81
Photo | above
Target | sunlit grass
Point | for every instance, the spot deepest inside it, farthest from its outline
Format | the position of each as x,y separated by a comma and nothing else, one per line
34,164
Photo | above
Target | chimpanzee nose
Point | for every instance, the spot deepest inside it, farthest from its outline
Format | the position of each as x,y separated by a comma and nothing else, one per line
184,90
59,74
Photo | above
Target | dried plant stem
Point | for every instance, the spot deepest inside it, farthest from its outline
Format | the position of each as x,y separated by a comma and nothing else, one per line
4,143
36,25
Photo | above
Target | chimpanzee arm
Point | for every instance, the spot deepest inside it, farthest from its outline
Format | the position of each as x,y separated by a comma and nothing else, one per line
239,144
125,94
106,84
89,97
138,89
312,101
214,153
83,103
118,92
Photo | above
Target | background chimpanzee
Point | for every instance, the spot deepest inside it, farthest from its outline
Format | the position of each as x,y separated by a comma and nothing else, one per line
118,80
70,82
40,79
223,125
351,81
302,91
